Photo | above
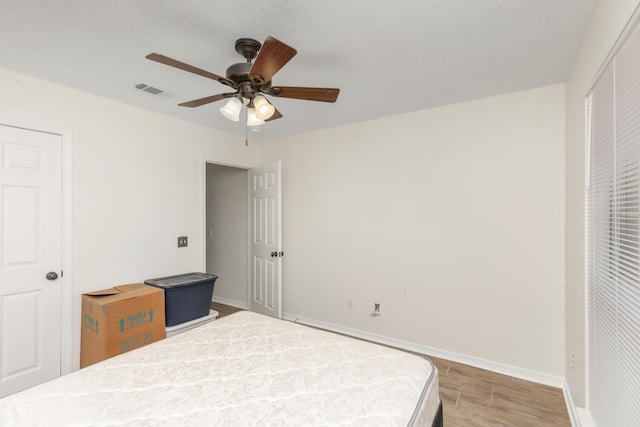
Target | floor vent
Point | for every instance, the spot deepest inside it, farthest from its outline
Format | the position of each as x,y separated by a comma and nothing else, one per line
154,90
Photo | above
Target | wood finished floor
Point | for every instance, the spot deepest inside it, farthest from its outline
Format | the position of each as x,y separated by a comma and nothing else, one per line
476,397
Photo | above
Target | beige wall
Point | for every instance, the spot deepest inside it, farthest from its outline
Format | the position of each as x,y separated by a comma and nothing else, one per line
607,22
138,183
451,218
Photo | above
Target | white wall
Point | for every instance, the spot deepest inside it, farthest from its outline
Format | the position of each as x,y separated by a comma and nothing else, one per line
138,183
451,218
228,221
607,22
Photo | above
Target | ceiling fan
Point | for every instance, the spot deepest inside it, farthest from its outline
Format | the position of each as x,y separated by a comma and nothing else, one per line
252,81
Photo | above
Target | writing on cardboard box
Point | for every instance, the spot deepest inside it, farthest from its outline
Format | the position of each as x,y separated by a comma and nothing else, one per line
136,320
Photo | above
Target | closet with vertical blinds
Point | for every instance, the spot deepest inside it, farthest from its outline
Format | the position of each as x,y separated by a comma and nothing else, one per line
613,237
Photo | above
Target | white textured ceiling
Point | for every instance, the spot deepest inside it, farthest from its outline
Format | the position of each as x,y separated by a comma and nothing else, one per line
387,57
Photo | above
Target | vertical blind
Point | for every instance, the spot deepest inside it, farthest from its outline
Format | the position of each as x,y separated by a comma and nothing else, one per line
613,239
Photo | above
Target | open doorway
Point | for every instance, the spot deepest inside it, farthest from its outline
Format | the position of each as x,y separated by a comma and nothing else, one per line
227,233
249,270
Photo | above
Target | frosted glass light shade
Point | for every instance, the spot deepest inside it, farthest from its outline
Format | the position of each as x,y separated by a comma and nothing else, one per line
231,110
252,118
264,109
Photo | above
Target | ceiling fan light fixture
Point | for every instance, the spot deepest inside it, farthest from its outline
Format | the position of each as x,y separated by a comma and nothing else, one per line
252,118
264,109
231,110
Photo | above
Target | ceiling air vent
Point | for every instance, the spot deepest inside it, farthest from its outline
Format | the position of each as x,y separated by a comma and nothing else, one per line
154,90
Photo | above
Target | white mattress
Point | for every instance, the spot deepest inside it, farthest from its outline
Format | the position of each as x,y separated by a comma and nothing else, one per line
241,370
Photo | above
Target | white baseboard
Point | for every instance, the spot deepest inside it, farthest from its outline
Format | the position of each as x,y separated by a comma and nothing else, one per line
585,419
525,374
571,408
232,302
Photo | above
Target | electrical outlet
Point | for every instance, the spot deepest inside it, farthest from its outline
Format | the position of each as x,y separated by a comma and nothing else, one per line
350,304
183,241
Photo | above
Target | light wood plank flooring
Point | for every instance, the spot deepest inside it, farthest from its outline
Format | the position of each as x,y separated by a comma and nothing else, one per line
223,309
477,397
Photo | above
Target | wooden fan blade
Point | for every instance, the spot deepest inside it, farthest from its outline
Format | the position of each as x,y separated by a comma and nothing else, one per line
306,93
272,57
190,68
276,115
206,100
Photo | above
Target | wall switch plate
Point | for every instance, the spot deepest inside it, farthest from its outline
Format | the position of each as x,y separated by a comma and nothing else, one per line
183,241
376,310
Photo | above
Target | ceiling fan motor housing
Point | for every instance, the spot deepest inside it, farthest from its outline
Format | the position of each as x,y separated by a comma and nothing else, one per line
239,74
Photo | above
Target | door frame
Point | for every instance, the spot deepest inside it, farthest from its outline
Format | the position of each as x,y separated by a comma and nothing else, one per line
203,231
66,247
203,222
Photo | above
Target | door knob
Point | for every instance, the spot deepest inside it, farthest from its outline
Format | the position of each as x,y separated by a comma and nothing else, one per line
274,254
52,275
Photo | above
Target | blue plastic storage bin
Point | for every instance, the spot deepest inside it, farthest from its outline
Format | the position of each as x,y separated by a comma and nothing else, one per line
186,296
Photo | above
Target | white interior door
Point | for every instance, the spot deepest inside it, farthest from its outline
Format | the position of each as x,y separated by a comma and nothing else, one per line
30,248
266,252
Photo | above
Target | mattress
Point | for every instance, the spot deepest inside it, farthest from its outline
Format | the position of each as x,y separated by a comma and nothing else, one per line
244,369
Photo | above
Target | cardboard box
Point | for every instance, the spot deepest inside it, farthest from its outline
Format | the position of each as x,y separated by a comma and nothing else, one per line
120,319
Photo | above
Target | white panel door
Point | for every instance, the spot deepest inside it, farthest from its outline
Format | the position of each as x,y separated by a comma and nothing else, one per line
30,248
266,253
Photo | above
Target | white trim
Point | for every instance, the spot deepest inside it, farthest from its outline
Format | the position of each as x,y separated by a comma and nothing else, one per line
232,302
624,35
585,249
204,163
66,355
66,303
584,418
249,231
279,225
525,374
203,210
571,408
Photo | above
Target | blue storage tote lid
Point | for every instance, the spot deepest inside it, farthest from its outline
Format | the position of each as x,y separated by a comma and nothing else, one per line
180,280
